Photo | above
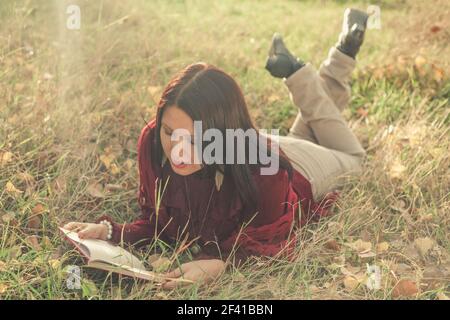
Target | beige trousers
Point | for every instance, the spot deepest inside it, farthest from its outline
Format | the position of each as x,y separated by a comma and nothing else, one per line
320,144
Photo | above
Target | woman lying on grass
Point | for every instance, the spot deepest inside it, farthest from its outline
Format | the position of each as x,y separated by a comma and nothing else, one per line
234,210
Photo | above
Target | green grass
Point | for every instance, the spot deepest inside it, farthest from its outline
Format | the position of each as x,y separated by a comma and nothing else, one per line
69,97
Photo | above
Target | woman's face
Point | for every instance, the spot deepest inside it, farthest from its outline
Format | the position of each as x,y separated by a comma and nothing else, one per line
180,152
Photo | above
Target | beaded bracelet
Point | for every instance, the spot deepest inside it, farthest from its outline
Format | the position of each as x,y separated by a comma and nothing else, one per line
110,228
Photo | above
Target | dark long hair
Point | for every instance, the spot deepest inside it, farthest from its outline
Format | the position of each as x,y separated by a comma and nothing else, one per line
208,94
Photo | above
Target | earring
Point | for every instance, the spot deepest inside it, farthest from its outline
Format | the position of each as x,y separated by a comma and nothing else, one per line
163,160
219,179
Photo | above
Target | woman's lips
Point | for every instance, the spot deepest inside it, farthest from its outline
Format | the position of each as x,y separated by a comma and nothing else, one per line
179,166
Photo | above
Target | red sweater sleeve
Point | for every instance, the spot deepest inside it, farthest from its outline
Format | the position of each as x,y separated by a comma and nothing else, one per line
267,231
137,233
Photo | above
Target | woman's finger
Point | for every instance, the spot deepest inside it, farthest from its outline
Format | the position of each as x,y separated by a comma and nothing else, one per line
170,285
174,273
77,228
83,234
81,230
71,225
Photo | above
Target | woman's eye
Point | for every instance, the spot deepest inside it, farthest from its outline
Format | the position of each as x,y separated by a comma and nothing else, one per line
167,132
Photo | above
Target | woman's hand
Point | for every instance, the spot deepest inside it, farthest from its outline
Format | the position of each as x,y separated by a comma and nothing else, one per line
197,271
88,230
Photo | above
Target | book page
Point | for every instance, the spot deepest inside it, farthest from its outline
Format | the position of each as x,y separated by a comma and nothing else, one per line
100,250
129,271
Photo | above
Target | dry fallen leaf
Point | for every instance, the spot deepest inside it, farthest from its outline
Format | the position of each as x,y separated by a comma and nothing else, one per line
420,61
54,263
424,245
361,246
363,113
402,269
3,288
38,209
365,235
33,241
10,188
367,254
434,276
95,190
339,259
273,97
114,187
411,252
47,76
350,270
405,288
34,222
46,242
35,219
334,226
15,252
401,205
5,158
397,170
58,252
155,92
442,296
354,276
378,73
426,218
350,283
107,159
8,217
26,177
128,164
332,245
435,29
382,247
114,169
438,73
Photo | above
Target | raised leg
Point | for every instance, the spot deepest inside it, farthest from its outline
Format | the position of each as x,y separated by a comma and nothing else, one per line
335,74
336,70
301,130
319,112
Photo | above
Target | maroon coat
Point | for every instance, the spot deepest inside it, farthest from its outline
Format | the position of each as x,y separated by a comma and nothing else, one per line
266,231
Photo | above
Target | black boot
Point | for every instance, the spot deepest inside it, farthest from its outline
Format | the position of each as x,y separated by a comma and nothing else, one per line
281,63
353,30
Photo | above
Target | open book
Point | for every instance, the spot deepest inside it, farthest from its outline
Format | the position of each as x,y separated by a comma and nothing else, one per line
104,255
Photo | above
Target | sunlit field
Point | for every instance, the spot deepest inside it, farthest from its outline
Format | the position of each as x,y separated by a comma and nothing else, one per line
73,102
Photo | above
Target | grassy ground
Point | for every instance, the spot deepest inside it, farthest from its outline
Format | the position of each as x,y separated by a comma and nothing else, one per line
72,104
